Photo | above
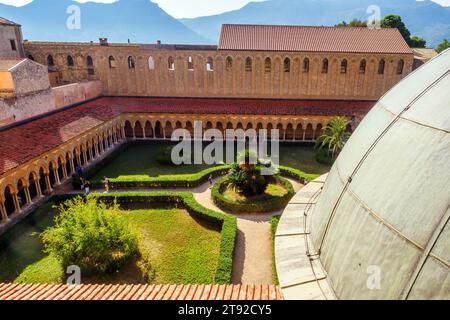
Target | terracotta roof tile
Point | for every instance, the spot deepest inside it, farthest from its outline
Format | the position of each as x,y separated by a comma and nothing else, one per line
311,39
136,292
22,143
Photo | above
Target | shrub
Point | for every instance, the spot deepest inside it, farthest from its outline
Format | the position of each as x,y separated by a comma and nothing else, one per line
265,204
186,200
323,156
90,235
168,181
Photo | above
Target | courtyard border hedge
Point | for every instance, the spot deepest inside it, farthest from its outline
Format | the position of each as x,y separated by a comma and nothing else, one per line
260,206
186,200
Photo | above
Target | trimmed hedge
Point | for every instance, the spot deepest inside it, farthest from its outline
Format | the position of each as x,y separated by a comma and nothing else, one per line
168,181
274,226
186,200
297,174
261,206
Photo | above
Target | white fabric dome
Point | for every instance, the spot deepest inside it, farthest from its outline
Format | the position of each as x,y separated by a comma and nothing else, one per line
386,201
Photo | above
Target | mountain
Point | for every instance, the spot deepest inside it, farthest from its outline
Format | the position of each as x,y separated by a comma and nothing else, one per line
138,20
423,18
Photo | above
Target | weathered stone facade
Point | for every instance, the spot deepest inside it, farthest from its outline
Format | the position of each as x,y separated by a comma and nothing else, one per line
29,92
199,71
11,42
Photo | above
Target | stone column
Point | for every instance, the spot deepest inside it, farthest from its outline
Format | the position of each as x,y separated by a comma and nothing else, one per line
57,181
16,202
38,188
72,166
27,195
4,216
47,182
96,150
79,158
64,170
85,156
304,135
122,129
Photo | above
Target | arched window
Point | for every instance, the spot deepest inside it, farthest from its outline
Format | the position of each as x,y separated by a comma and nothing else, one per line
151,63
381,66
400,66
362,66
287,65
306,65
50,61
209,64
190,62
30,57
70,62
344,66
90,65
89,61
325,66
131,63
267,65
248,64
112,62
229,64
171,63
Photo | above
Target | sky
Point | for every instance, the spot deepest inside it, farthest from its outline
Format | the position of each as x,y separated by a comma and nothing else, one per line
189,8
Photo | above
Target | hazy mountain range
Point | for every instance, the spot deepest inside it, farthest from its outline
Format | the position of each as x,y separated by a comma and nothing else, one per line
145,22
424,18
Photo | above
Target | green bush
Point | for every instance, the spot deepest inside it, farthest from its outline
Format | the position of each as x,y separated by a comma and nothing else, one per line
297,174
323,156
274,226
265,204
90,235
169,181
186,200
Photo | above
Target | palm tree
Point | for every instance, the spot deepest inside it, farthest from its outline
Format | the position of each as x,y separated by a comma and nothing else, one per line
334,136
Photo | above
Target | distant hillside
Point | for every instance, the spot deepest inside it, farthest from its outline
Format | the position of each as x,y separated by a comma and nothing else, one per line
424,18
137,20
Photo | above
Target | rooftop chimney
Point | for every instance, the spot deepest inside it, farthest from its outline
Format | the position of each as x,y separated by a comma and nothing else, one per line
103,41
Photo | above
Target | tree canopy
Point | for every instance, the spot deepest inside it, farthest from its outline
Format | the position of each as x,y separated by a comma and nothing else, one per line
443,45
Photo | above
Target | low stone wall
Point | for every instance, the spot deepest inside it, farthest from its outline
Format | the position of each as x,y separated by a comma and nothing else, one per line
76,92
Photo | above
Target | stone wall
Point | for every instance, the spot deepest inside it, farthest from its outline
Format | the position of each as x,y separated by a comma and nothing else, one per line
8,33
76,92
229,75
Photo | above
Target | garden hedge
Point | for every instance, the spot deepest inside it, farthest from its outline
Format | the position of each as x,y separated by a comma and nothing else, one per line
186,200
260,206
167,181
297,174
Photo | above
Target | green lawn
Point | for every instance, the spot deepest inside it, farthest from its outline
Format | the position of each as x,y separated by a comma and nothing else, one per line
272,191
140,160
181,250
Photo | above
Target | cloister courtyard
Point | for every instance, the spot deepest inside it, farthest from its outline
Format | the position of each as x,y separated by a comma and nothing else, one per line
192,240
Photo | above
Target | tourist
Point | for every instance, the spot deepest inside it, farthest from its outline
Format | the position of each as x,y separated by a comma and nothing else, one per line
106,184
87,187
210,179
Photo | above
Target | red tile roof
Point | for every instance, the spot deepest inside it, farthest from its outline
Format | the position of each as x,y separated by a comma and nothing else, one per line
311,39
24,142
11,291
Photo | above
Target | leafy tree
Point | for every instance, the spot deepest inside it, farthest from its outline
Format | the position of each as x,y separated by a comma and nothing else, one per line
395,21
443,45
334,136
353,23
416,42
90,235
